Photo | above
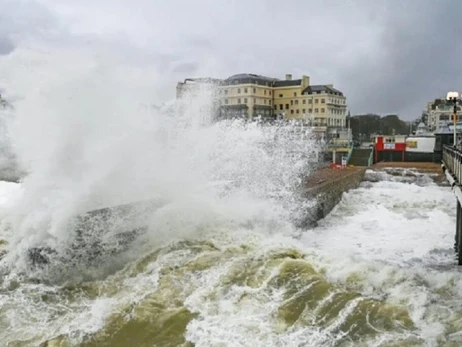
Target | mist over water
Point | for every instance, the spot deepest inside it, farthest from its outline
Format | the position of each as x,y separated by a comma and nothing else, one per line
84,130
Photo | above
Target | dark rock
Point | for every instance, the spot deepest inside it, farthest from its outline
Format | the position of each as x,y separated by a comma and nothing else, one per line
97,234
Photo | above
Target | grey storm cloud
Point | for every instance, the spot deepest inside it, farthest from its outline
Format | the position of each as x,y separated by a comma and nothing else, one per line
386,56
23,19
6,46
419,59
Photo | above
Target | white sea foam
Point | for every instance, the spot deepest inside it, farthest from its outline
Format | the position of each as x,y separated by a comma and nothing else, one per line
82,131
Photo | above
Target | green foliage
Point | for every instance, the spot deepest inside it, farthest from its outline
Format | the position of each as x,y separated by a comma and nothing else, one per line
363,126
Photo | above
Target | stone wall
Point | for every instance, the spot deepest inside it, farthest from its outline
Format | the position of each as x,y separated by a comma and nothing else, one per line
328,194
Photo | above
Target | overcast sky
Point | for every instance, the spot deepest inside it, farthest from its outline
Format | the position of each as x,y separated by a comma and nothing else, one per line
386,56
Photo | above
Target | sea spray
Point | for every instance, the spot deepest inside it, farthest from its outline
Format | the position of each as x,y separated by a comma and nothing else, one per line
82,130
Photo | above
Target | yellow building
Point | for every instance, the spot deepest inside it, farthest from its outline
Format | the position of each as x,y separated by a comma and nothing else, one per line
250,95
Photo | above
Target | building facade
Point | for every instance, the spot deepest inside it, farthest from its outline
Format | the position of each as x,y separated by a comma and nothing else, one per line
389,147
439,114
251,95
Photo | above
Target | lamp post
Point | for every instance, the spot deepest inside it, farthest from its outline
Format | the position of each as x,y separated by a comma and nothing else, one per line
454,97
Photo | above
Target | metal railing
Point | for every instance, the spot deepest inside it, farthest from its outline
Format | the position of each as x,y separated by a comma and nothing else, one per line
339,143
452,159
350,152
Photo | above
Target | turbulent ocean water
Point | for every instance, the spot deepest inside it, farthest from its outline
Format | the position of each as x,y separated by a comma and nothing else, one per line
378,271
221,260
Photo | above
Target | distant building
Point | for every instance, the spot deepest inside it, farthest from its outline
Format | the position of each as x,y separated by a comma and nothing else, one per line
250,95
439,114
205,90
422,129
390,148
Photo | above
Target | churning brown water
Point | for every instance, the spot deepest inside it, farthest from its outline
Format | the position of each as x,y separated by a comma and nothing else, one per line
378,271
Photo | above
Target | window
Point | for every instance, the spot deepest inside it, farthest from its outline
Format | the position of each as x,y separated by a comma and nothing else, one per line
269,102
254,100
390,139
292,111
264,101
297,111
238,101
304,110
316,101
270,92
310,110
264,92
281,106
315,110
303,101
295,93
281,96
323,110
310,101
323,101
287,106
254,90
296,102
291,102
245,101
245,90
275,107
239,90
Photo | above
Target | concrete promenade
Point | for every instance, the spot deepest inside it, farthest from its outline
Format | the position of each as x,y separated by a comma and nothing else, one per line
429,167
434,169
325,175
326,186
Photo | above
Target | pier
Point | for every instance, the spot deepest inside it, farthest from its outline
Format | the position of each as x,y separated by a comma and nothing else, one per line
452,167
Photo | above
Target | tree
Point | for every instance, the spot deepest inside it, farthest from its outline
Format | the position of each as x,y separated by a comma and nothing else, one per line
363,126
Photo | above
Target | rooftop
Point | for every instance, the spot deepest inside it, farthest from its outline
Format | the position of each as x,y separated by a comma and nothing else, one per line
203,80
322,88
250,78
287,83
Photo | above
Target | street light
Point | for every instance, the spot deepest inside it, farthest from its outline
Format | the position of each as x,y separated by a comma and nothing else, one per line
454,97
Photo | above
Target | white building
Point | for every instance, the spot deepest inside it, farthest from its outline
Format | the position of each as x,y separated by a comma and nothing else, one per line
439,114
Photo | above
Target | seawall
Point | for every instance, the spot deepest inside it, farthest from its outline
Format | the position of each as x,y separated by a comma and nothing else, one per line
325,187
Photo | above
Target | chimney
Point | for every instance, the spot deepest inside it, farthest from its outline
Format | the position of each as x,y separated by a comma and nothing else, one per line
288,77
305,81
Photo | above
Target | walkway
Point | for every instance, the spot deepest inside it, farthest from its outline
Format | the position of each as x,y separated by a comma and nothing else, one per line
429,168
326,175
